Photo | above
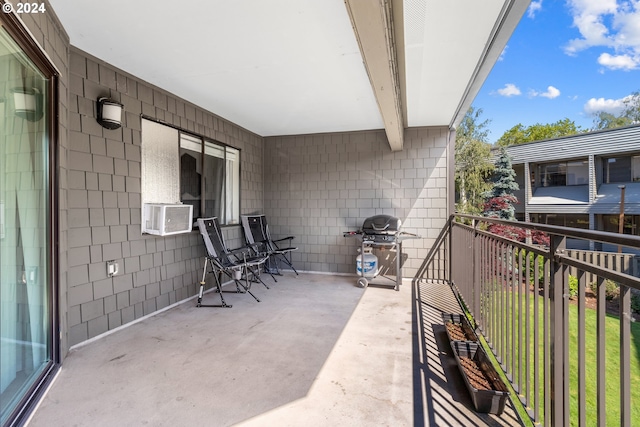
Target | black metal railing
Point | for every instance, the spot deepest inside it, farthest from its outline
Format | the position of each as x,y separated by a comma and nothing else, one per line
529,301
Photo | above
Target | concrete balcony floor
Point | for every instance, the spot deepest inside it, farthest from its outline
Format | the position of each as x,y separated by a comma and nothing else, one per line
317,351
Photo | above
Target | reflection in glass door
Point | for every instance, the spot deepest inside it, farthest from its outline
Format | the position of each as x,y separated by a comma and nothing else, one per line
26,348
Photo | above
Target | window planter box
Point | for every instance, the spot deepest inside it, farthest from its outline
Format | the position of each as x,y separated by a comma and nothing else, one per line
458,328
488,392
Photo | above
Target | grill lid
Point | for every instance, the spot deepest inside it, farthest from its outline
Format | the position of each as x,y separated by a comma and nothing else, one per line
381,224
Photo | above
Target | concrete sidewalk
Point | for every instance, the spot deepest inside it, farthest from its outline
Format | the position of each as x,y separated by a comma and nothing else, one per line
317,351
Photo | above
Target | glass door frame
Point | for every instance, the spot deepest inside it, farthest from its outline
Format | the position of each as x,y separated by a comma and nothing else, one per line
23,38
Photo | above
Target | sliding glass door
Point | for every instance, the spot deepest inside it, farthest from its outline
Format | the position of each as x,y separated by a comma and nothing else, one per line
26,302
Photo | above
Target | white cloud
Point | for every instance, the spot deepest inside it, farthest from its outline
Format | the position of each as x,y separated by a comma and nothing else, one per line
618,62
609,24
534,8
509,90
588,17
551,93
612,106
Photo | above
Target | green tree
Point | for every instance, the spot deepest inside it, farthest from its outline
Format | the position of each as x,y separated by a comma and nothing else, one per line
604,120
473,161
500,198
520,134
630,114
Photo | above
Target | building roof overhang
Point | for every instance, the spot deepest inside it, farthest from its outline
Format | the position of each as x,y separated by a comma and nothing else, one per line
286,67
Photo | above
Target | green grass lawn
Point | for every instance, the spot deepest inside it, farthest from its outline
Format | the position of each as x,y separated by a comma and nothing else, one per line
612,337
612,327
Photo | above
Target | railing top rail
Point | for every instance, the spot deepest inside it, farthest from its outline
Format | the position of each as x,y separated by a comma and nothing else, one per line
538,250
590,267
575,233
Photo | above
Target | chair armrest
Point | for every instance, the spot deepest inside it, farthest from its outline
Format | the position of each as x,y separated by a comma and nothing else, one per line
241,249
258,248
275,242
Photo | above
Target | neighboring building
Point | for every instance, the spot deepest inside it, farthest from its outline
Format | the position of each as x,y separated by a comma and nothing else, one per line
575,181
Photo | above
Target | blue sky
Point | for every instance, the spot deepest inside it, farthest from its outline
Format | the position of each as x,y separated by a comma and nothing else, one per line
566,59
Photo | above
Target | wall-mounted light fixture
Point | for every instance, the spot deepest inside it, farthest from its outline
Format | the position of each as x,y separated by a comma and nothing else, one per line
28,103
109,113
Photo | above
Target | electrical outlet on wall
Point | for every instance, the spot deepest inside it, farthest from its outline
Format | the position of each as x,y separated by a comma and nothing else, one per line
112,268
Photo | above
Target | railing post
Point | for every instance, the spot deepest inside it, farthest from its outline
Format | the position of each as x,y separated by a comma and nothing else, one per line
475,273
625,356
448,252
559,330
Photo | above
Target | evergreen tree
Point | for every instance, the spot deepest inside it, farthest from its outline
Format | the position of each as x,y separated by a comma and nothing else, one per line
500,199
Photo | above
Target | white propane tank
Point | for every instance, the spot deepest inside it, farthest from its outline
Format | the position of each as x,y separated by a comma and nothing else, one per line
370,264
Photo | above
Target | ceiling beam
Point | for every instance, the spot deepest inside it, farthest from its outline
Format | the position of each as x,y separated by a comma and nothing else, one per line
372,23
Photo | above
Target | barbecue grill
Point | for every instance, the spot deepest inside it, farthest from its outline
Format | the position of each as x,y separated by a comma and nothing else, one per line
383,232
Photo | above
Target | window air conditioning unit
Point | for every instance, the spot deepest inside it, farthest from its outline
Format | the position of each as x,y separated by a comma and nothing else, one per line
165,220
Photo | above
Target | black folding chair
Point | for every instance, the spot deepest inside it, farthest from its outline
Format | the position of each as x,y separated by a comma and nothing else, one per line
257,236
240,265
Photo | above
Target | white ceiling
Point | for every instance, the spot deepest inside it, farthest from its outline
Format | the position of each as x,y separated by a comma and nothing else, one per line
283,67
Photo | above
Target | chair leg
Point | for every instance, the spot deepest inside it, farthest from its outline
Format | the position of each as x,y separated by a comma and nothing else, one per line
288,262
251,293
246,288
255,272
218,287
247,285
258,279
271,265
268,270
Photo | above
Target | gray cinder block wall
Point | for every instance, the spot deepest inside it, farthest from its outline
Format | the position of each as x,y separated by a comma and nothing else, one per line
318,186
